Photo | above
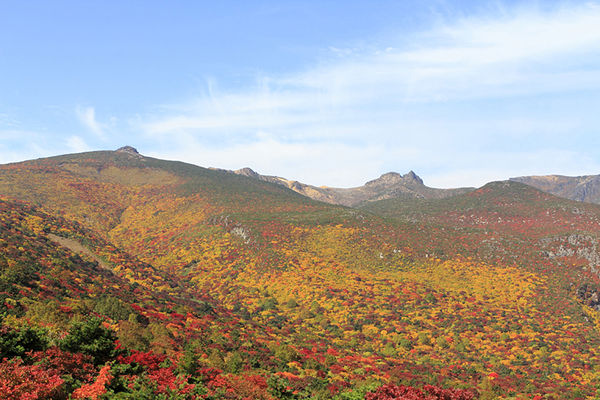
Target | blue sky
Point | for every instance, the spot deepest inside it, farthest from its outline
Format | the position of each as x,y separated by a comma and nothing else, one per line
326,92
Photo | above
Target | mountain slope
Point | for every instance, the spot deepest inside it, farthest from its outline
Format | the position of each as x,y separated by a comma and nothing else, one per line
509,210
390,185
318,300
57,277
580,188
97,187
52,264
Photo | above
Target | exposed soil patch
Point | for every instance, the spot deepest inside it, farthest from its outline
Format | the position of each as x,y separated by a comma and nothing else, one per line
78,248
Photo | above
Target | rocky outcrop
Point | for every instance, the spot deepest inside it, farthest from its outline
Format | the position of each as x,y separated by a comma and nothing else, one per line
131,151
589,295
247,172
584,247
393,178
127,149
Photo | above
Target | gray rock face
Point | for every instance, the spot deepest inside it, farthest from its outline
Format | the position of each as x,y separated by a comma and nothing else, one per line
585,247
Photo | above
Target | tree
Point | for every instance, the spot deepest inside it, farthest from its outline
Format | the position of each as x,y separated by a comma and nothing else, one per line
90,337
16,343
188,363
113,307
132,335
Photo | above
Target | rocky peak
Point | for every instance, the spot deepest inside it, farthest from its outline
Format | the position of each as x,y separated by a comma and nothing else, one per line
249,172
385,179
129,150
412,177
392,178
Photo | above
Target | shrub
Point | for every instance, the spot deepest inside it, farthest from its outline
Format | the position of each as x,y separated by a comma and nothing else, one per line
28,382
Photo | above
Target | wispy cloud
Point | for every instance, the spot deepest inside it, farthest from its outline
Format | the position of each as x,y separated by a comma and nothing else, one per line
87,116
18,145
77,144
414,93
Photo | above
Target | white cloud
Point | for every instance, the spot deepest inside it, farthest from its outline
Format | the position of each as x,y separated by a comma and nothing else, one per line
19,145
87,116
76,144
413,104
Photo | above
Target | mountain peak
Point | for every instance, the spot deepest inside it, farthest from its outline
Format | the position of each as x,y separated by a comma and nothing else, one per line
390,175
394,177
249,172
129,150
411,176
388,185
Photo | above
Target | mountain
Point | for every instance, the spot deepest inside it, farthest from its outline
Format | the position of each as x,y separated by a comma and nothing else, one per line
220,285
580,188
389,185
507,223
507,211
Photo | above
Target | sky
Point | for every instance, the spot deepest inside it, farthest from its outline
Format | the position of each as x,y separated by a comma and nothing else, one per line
324,92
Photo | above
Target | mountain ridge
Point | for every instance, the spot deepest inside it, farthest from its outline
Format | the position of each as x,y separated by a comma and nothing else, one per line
585,188
388,185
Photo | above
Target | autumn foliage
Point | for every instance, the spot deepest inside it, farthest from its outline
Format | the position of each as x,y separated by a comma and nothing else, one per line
28,382
143,278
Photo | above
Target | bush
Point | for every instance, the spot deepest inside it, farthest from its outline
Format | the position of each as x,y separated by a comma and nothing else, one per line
19,381
234,362
429,392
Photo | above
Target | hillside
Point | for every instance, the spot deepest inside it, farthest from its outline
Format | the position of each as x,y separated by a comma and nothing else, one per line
52,264
59,278
498,214
275,295
580,188
387,186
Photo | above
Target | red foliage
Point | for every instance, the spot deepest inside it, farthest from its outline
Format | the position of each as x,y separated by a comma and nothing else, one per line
149,360
78,365
208,374
429,392
167,380
96,389
448,394
248,387
28,382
